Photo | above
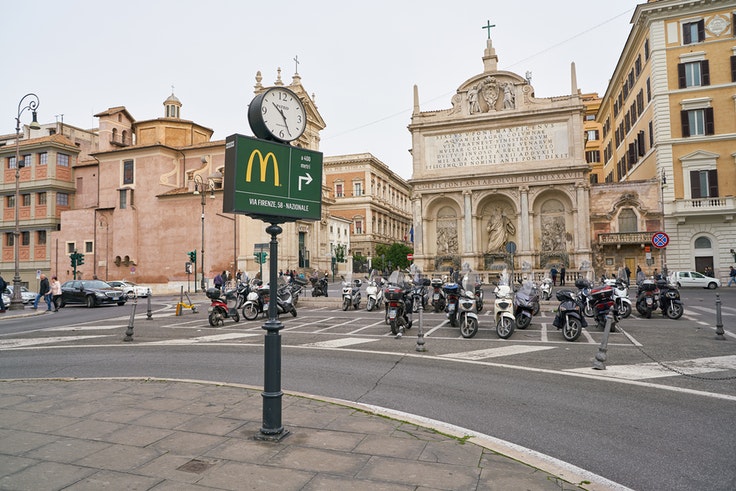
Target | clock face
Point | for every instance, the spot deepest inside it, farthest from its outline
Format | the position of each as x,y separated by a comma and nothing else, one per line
280,113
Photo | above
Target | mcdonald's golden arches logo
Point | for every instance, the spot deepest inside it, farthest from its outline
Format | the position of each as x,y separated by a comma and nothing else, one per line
263,163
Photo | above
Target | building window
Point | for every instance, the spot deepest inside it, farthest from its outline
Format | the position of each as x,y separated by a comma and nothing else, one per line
43,158
26,199
41,237
71,247
702,243
62,160
9,239
127,172
694,74
693,32
651,134
646,49
11,162
358,189
42,198
338,190
358,226
27,160
592,135
733,67
25,238
123,199
62,199
10,201
649,91
627,221
592,156
88,247
704,183
697,122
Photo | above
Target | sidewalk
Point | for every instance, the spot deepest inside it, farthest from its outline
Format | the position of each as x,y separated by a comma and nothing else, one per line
189,435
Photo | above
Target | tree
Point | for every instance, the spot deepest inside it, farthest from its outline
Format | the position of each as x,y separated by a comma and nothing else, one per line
388,257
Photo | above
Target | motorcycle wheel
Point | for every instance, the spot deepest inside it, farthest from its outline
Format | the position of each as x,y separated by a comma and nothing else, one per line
293,311
356,305
522,321
468,327
250,312
588,310
345,304
215,318
674,311
480,306
235,316
394,327
314,293
641,307
505,328
453,320
572,329
624,310
536,310
369,306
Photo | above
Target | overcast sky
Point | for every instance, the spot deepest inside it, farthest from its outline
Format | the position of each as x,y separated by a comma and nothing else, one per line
360,59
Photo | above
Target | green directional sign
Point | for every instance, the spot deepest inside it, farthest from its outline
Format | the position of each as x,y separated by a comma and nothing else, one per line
268,180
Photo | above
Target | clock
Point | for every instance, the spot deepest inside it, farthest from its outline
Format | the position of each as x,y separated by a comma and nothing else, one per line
278,115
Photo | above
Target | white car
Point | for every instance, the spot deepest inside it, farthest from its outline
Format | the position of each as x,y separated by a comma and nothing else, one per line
25,295
693,278
131,289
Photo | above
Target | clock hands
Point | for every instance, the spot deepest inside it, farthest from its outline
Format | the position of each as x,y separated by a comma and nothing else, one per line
283,116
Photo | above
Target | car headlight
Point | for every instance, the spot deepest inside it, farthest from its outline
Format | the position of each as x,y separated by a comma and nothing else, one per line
100,294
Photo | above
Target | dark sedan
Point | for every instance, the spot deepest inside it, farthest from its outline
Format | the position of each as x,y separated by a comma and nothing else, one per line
90,293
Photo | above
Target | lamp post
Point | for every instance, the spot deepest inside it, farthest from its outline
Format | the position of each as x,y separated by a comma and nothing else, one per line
16,302
663,183
200,187
103,223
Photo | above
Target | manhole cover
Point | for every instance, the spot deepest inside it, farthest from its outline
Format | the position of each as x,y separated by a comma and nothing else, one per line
196,466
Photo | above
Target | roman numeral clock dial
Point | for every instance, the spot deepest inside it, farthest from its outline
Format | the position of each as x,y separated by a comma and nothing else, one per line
277,115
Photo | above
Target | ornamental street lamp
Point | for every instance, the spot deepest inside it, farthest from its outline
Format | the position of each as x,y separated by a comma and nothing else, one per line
16,302
663,183
200,187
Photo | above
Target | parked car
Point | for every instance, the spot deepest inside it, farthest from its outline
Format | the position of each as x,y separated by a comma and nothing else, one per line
6,300
131,289
25,295
90,293
693,278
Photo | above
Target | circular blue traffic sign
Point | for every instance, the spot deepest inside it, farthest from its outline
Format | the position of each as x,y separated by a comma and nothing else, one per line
660,240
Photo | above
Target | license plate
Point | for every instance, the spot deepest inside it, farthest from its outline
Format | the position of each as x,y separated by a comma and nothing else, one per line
649,301
436,296
392,314
451,307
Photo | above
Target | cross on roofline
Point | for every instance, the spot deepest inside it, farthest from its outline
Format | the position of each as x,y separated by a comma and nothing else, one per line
488,26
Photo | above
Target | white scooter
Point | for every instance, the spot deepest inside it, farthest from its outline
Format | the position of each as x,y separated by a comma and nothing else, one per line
467,310
374,293
545,290
503,311
620,296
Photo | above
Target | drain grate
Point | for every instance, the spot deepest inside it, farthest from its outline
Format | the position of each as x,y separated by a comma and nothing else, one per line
195,466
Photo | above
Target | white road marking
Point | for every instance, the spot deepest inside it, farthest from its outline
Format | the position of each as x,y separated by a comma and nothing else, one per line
206,339
367,327
644,371
19,343
350,321
495,352
711,310
86,327
338,343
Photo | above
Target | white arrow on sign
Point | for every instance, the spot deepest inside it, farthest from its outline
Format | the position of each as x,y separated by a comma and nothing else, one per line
307,178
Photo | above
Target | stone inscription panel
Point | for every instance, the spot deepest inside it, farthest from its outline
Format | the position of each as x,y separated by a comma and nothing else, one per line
529,143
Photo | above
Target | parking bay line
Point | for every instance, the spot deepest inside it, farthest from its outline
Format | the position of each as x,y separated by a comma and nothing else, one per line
207,339
643,371
495,352
338,343
20,343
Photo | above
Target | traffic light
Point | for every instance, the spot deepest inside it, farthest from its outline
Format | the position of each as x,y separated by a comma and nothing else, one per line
192,256
261,257
73,257
80,259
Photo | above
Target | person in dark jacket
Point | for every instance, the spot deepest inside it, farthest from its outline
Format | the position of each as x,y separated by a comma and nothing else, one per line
44,290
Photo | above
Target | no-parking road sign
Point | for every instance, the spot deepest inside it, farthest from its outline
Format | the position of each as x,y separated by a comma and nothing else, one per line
660,240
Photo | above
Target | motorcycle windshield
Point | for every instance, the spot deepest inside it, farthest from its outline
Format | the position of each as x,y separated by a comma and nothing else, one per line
398,278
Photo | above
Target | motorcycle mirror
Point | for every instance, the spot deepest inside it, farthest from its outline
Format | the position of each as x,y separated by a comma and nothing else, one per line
426,282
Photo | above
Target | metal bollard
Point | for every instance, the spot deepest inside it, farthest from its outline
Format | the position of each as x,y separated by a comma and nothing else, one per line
129,331
420,334
600,357
719,320
149,314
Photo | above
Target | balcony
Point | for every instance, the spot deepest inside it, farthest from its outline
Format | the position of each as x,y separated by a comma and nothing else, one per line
705,206
625,238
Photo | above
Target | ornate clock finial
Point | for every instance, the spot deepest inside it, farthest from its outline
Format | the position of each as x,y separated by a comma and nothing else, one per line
278,77
259,77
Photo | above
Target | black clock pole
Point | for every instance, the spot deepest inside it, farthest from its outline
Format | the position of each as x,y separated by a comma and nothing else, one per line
272,429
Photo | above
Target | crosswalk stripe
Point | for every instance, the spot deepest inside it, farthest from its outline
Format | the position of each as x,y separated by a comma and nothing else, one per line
654,370
206,339
711,310
339,343
495,352
19,343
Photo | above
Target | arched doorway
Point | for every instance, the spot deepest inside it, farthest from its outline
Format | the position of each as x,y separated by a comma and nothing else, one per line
703,254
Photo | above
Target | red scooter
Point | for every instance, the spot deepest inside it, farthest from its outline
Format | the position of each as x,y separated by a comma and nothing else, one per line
219,310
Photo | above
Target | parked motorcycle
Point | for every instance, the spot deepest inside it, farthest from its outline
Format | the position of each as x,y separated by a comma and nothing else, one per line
295,286
452,296
219,309
569,317
319,286
253,305
374,293
647,300
584,286
503,314
398,303
669,300
467,314
620,296
526,303
438,295
602,301
545,289
350,293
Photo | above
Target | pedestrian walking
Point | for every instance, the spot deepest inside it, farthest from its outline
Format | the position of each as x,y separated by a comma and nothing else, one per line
553,273
732,276
640,276
44,290
55,292
220,280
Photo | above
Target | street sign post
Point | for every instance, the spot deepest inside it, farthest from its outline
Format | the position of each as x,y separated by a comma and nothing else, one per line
410,257
271,181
